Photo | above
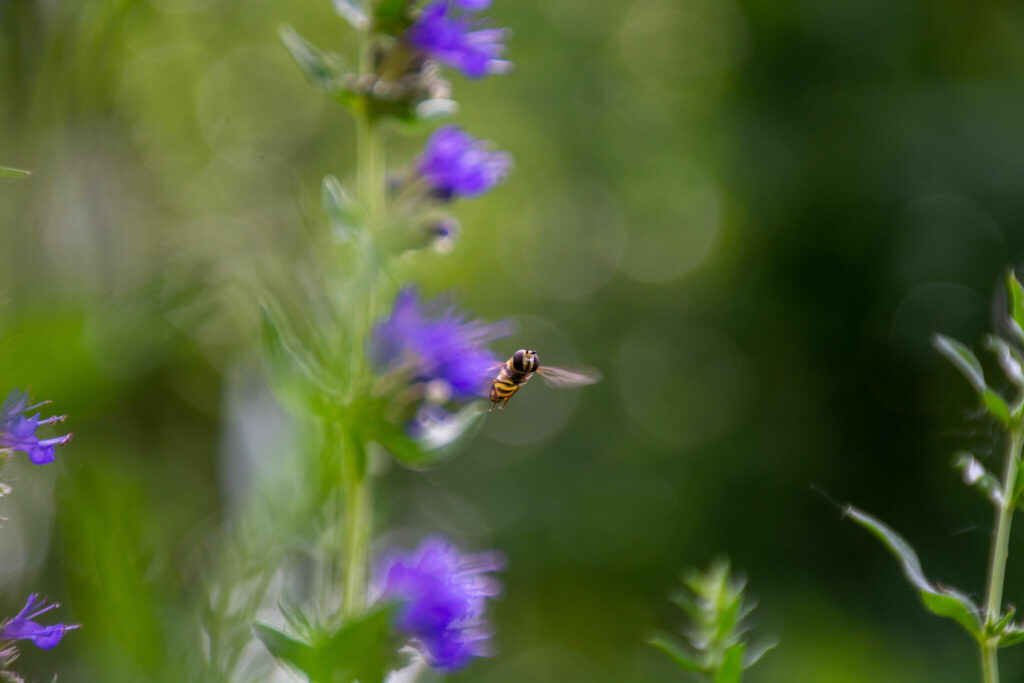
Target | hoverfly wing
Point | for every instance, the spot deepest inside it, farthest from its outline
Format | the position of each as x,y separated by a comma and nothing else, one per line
563,378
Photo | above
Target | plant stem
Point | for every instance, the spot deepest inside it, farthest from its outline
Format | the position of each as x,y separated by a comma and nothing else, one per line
358,506
989,664
357,527
998,556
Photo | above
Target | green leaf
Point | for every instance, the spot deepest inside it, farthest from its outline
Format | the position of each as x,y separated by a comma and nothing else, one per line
293,614
344,213
426,113
365,649
1004,621
752,657
729,615
732,665
322,69
390,16
294,376
287,649
353,13
439,442
10,172
1016,296
1008,358
996,406
1014,635
944,602
961,357
976,476
684,659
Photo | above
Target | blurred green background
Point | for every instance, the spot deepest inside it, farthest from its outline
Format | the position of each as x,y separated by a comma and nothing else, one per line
751,215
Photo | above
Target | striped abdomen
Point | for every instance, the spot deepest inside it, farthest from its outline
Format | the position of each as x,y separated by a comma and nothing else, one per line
507,382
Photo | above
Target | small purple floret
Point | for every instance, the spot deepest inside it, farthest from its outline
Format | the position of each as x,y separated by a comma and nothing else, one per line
22,627
443,594
457,164
457,40
442,349
18,432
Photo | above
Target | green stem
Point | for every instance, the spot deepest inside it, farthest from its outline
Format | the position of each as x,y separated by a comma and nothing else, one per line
989,664
356,541
998,556
358,506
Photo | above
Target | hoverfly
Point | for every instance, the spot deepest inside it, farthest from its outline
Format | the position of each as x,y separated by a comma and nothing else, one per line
524,363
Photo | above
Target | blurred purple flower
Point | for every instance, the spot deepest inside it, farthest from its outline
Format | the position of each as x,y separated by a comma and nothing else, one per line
457,164
22,627
18,432
443,595
457,40
442,349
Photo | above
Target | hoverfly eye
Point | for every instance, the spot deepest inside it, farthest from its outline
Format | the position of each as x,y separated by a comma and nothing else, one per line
536,363
518,360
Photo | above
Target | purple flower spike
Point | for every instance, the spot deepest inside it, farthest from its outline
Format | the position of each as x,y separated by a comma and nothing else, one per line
18,432
458,41
457,164
444,350
443,595
22,627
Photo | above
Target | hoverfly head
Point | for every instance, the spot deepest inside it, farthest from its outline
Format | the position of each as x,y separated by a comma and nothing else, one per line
525,360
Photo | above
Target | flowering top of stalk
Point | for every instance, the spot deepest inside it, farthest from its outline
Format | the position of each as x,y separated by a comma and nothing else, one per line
18,432
443,594
445,350
455,163
457,40
22,627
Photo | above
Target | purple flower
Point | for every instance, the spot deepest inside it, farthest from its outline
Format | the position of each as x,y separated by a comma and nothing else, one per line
443,594
22,627
456,163
18,432
458,41
442,349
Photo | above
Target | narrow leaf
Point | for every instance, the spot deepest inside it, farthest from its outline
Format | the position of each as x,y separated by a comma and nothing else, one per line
732,665
996,406
683,658
10,172
752,657
321,69
1004,621
961,357
1012,636
353,13
976,476
294,376
943,602
1016,295
342,210
435,109
285,648
437,442
1009,360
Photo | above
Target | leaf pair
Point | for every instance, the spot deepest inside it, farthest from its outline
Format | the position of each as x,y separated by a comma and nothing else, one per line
364,649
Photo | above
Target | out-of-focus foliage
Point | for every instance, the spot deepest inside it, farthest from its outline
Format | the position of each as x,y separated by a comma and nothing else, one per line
751,215
717,646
